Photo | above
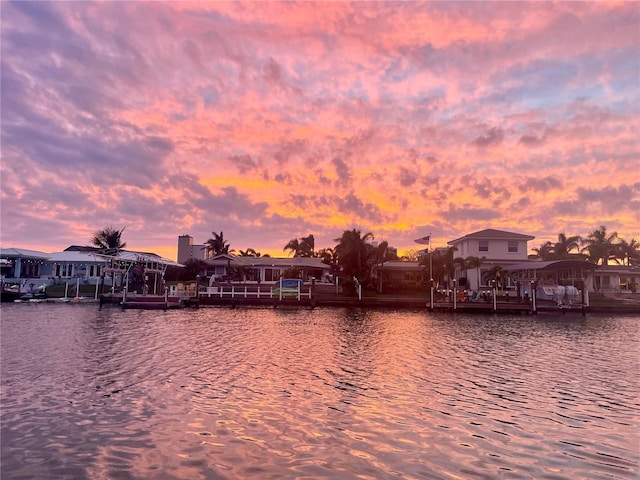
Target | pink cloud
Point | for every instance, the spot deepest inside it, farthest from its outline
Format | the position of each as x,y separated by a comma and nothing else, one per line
199,116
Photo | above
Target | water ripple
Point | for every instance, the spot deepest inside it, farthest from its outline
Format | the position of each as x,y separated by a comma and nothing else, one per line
326,393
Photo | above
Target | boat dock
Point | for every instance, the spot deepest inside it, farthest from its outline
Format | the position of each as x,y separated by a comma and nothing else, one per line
308,296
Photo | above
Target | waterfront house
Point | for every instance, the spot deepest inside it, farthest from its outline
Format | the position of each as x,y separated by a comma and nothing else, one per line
19,265
227,267
75,262
84,265
495,248
616,280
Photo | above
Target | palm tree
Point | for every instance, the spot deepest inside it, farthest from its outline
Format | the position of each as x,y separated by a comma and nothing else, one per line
495,273
628,251
443,265
109,239
329,257
216,245
307,246
377,256
301,248
600,246
352,252
249,252
544,252
562,248
293,246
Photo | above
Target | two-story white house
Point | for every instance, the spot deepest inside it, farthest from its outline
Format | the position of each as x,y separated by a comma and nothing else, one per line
493,248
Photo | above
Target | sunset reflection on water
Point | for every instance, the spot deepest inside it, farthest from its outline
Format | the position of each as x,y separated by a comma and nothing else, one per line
324,393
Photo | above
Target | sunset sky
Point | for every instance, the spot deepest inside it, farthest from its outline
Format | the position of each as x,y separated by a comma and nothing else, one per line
274,120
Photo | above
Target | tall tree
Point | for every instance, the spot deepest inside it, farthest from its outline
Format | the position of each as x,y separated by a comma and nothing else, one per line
562,248
216,245
293,246
307,246
628,252
443,265
544,252
377,256
108,239
304,247
352,251
496,273
329,257
599,246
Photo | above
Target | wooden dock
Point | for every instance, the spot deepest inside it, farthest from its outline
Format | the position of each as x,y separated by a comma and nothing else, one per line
144,302
244,296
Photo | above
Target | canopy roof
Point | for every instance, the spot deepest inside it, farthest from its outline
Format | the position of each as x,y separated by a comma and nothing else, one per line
138,257
22,252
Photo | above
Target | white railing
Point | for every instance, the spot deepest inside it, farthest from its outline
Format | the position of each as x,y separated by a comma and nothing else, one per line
244,292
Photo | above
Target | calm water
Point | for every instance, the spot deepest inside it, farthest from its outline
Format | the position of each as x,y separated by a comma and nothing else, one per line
325,393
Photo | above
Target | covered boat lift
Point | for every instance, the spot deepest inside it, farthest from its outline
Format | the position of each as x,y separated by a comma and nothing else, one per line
546,277
127,265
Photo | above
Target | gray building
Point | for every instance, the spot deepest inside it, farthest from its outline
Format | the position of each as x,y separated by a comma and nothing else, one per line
187,250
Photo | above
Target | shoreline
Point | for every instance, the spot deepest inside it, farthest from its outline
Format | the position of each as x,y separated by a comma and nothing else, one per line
413,303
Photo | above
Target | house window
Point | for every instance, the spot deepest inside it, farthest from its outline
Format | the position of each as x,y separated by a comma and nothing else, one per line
94,271
64,270
483,245
271,274
513,246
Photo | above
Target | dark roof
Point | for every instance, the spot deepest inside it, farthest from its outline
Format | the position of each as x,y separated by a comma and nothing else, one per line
550,265
400,265
490,233
80,248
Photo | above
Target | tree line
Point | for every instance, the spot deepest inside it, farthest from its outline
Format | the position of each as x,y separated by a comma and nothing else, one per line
599,247
354,256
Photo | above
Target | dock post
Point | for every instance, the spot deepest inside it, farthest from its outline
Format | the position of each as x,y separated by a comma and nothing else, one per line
431,295
166,298
124,296
455,295
533,297
494,293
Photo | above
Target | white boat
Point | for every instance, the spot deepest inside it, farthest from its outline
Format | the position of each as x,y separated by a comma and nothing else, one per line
562,296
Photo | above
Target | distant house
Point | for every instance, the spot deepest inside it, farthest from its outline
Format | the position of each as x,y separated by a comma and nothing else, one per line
264,269
616,279
89,265
19,264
